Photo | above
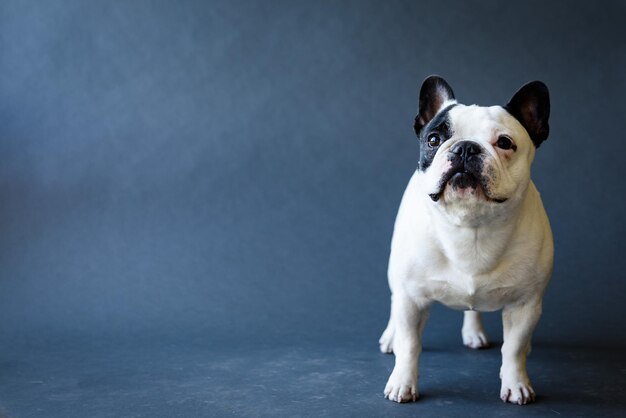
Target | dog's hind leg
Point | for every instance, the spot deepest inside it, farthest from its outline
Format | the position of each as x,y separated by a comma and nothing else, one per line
386,340
473,332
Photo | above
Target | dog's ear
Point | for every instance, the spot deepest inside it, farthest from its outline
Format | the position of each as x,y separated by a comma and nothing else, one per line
531,107
434,93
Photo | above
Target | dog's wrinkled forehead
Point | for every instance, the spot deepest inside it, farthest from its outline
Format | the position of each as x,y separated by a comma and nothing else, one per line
479,123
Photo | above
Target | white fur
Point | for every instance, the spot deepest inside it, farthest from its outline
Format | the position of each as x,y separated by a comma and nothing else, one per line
470,253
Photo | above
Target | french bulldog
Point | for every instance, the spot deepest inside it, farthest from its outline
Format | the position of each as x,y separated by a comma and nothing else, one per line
471,232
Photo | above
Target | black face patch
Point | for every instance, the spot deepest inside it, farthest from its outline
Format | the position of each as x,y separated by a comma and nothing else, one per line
440,126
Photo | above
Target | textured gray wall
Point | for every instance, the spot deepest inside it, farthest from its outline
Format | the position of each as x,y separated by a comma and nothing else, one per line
233,169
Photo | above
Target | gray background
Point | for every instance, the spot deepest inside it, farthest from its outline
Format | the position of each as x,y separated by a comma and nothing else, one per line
197,199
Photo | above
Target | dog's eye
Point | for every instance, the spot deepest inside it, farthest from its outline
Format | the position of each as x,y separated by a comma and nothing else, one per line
504,142
433,140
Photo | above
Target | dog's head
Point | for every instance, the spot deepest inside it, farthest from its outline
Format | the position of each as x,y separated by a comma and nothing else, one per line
474,158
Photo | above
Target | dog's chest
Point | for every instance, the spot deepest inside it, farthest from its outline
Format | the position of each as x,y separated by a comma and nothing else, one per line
474,272
461,291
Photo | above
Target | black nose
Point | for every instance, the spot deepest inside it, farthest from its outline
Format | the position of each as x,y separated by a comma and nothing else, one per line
466,149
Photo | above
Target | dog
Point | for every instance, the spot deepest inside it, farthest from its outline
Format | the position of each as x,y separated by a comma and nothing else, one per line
471,232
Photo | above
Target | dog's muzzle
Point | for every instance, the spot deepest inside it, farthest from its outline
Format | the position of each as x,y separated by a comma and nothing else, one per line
466,158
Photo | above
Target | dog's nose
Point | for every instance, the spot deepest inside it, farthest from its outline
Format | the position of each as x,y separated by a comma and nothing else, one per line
466,149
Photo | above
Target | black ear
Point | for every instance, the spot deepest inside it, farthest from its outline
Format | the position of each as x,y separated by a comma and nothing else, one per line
531,107
434,92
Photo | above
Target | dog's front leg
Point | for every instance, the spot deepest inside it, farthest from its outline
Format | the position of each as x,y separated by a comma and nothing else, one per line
409,319
519,322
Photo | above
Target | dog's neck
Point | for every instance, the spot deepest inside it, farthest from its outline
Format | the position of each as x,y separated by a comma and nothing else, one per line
474,237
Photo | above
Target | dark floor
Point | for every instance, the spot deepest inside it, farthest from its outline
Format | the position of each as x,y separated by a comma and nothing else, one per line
188,378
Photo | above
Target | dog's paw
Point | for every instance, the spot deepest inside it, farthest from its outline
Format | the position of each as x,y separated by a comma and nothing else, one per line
518,392
386,341
401,387
475,338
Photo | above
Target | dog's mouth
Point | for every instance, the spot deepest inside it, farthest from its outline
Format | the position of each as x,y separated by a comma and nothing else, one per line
463,179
